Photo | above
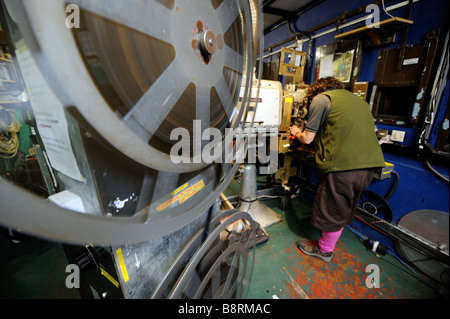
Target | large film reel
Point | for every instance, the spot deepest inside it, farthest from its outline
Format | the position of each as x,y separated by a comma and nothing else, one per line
135,71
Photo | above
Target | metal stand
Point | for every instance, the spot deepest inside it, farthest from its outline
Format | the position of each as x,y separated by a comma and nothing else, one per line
248,201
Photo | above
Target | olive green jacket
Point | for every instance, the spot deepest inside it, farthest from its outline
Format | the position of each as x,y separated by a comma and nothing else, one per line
347,139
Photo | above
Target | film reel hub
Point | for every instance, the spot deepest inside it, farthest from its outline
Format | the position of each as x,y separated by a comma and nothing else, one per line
207,42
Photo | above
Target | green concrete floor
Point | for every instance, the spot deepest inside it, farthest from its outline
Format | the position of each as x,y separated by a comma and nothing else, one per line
282,271
33,269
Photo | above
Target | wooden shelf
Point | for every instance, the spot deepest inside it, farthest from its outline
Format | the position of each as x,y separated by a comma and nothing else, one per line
385,24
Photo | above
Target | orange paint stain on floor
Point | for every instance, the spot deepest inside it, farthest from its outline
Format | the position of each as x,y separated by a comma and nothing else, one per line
342,278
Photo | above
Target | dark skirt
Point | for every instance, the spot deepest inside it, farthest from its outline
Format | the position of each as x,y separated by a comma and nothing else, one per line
337,198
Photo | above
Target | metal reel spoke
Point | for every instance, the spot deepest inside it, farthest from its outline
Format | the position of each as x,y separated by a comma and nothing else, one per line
145,120
220,267
131,14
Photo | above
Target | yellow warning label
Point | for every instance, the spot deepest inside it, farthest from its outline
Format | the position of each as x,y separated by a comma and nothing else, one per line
123,268
179,189
289,99
109,277
183,196
191,191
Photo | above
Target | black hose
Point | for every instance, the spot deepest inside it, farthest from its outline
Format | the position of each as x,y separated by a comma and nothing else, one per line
297,33
394,187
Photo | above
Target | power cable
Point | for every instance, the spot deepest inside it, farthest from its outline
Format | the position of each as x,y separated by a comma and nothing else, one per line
414,273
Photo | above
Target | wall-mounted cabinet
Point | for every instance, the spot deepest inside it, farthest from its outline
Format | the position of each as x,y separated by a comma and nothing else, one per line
401,82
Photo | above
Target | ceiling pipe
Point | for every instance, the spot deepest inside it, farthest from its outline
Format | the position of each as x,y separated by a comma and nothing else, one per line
323,25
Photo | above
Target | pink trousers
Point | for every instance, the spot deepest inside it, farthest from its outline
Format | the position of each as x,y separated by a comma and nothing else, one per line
328,240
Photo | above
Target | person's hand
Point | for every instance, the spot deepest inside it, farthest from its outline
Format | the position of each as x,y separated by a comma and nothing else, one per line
294,130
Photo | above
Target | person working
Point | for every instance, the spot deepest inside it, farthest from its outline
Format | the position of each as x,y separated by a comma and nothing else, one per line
347,153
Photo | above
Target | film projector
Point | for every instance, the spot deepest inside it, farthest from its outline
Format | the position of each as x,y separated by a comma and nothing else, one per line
125,76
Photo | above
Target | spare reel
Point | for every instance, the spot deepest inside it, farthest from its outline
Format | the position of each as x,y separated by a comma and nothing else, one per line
130,74
430,226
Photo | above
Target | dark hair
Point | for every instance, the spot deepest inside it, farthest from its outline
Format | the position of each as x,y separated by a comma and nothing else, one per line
323,84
